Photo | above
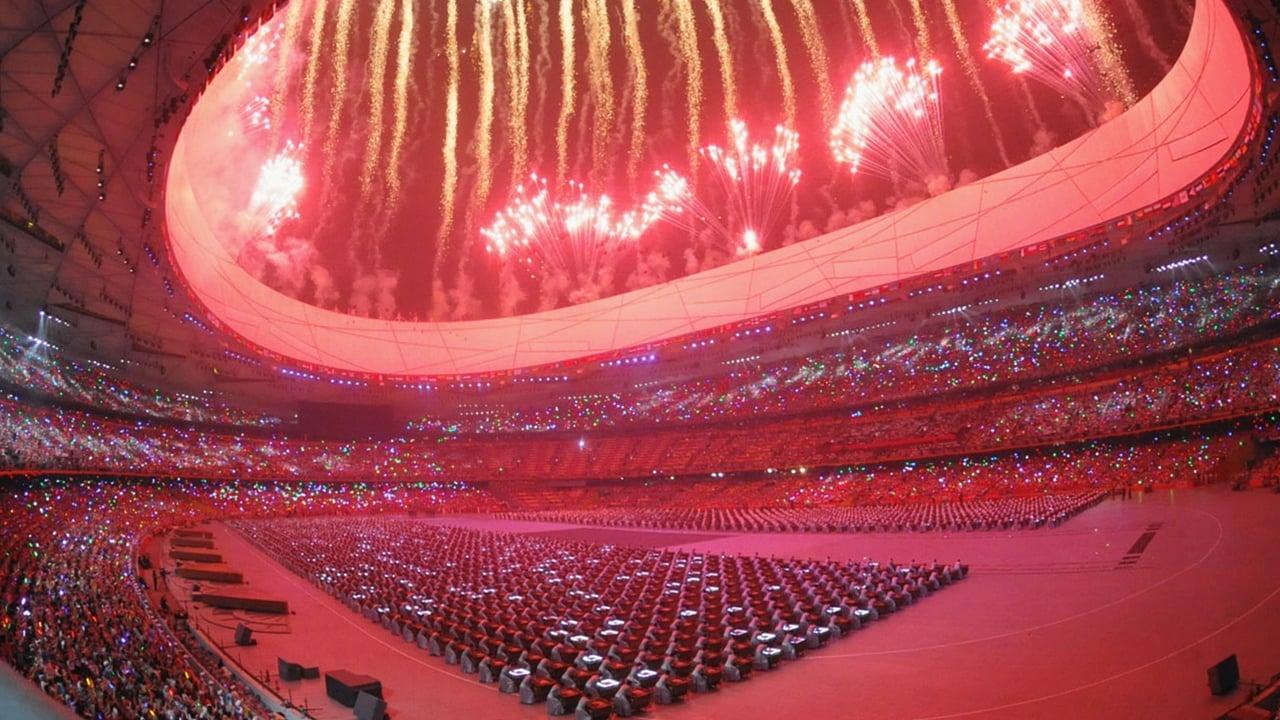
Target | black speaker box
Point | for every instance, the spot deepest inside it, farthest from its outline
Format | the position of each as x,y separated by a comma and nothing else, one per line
370,707
289,672
244,636
1224,677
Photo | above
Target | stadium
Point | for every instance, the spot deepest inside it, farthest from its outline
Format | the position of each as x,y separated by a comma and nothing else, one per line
661,358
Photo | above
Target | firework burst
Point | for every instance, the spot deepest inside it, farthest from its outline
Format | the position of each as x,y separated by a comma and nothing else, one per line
1050,41
891,121
573,235
753,184
256,114
280,182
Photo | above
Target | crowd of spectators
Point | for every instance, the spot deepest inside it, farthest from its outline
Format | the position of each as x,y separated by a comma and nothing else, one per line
1011,513
603,626
1015,490
965,354
73,613
36,366
74,619
1241,382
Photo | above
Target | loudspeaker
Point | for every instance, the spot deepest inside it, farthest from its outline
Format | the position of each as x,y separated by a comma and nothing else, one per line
244,636
1224,677
288,671
370,707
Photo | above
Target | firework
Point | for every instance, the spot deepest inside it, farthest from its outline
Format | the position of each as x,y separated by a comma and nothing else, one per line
258,50
482,141
600,78
568,73
753,184
1048,40
779,43
404,60
256,114
864,27
571,235
449,148
691,60
639,81
377,98
280,182
891,121
817,52
975,80
724,53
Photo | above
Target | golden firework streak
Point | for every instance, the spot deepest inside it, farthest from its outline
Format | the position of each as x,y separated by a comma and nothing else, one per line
596,22
522,98
724,53
1102,30
449,148
922,30
484,125
338,100
639,85
314,60
817,51
864,25
971,72
780,53
284,55
691,59
405,44
377,94
567,70
516,46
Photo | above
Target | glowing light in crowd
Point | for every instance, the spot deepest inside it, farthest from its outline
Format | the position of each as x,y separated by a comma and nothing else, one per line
570,236
891,120
754,183
280,182
1048,40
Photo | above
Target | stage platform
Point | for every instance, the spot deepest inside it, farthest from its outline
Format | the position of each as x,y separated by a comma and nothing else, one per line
198,556
246,600
1050,624
219,573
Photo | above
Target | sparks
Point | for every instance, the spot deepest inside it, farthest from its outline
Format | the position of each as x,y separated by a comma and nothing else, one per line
258,50
1048,40
753,184
280,182
256,114
572,235
891,121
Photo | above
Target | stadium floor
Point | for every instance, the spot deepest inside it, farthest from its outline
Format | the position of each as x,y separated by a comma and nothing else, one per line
1084,620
